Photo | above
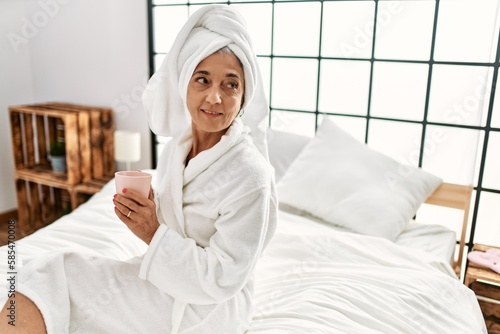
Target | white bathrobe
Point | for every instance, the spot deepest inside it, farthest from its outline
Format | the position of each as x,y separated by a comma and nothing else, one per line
197,271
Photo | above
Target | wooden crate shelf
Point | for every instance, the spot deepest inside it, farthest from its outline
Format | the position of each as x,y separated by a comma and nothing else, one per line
44,195
82,192
43,175
100,139
39,205
486,285
30,125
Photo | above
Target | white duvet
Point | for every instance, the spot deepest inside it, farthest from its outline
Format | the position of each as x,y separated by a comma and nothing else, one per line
346,283
308,281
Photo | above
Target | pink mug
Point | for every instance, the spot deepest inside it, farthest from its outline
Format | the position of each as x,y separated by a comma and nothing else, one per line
135,180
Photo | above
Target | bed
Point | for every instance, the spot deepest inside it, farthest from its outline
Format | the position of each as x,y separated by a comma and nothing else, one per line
315,276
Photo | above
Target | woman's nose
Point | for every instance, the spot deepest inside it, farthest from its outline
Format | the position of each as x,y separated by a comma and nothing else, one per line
213,95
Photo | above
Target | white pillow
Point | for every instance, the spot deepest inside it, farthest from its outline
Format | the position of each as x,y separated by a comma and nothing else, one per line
284,147
342,181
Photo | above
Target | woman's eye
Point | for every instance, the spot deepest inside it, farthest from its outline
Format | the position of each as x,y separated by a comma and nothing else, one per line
232,85
201,80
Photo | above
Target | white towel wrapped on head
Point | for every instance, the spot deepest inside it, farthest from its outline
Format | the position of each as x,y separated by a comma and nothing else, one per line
206,31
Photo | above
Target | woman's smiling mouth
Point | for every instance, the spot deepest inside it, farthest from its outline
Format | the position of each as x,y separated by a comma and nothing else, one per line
211,113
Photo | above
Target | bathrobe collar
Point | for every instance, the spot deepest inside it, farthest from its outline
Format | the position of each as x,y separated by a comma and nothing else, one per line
176,175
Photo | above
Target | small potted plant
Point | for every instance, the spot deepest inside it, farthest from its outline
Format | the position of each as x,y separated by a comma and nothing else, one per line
58,156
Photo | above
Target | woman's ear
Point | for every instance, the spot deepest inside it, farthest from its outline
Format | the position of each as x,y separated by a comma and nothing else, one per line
241,112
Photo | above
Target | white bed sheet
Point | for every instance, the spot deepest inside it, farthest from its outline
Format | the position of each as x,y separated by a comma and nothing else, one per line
431,238
312,278
337,282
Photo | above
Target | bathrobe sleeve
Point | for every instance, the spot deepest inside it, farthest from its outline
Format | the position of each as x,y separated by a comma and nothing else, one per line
213,274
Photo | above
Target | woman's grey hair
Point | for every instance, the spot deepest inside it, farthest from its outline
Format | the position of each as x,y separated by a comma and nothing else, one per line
227,50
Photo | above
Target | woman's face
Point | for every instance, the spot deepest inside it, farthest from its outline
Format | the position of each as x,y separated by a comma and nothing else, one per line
215,92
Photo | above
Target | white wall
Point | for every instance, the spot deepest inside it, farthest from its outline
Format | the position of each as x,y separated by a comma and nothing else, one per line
79,51
16,86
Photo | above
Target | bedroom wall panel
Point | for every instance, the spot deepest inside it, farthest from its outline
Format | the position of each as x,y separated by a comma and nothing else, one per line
495,118
491,177
15,87
355,126
399,90
460,94
169,21
295,39
401,141
344,86
259,20
349,30
409,26
297,89
488,229
456,41
452,152
299,123
95,53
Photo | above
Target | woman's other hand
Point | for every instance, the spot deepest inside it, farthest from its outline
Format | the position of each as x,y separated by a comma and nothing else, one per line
138,213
